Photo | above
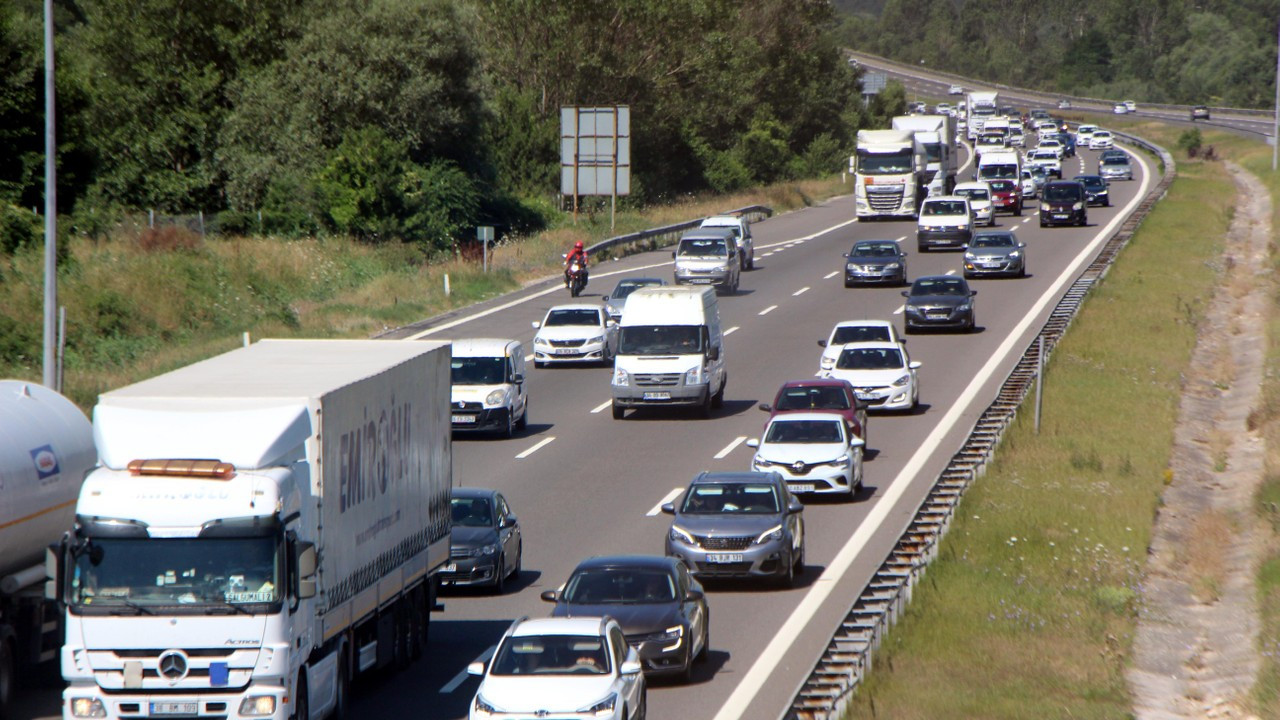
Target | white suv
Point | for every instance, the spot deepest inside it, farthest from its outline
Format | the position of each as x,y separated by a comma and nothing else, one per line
489,388
742,228
945,221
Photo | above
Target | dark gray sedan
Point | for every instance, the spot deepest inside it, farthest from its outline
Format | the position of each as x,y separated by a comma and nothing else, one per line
738,524
1095,189
485,546
875,261
995,253
615,301
659,605
940,301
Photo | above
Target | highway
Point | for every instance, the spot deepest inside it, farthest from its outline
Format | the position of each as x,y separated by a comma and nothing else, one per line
585,484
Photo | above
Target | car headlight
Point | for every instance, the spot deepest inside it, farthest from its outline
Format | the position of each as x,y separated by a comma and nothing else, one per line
674,632
759,462
1014,255
902,381
774,533
913,308
693,376
893,266
961,227
602,708
495,398
483,705
1077,206
539,340
679,534
596,339
486,550
850,266
842,461
620,377
826,363
87,708
966,307
970,256
258,705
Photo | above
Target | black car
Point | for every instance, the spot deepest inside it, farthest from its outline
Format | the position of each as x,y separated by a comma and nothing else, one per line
875,261
656,600
485,546
1064,202
1095,189
939,301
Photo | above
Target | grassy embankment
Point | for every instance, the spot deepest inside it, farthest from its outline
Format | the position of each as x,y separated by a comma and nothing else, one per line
1030,609
141,302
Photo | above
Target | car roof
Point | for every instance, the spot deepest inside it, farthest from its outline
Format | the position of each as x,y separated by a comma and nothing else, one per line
721,232
722,221
573,306
939,198
481,347
642,280
870,345
862,323
711,478
972,185
875,241
473,492
810,415
628,561
1087,177
579,625
815,382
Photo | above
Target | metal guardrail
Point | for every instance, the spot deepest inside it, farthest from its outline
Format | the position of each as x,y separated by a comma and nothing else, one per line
839,671
669,234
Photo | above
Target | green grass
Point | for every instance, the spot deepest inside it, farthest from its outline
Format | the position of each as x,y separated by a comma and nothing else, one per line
1030,609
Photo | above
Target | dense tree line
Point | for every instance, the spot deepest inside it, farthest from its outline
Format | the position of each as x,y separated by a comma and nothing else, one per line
1220,52
409,119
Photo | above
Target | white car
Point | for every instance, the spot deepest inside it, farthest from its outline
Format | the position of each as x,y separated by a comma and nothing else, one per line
742,228
1120,109
851,331
572,668
955,90
881,373
813,452
1131,106
1101,140
1030,188
1084,133
979,194
578,333
943,109
1017,138
1053,144
1047,159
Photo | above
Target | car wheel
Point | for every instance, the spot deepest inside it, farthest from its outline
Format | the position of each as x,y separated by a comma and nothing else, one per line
908,328
510,430
788,577
500,577
523,422
751,260
1022,272
617,411
515,571
705,652
643,711
301,706
973,324
920,247
686,673
968,276
1043,223
707,402
1018,211
848,283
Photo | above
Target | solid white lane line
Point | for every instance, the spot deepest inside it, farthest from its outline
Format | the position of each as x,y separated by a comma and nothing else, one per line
601,407
462,675
668,498
800,292
731,330
768,310
535,448
757,676
899,310
830,275
730,447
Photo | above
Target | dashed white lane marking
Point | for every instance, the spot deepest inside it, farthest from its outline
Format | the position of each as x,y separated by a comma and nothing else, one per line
730,447
528,357
899,310
830,275
800,292
541,444
462,675
666,499
950,272
1026,220
768,253
904,237
731,330
768,310
601,407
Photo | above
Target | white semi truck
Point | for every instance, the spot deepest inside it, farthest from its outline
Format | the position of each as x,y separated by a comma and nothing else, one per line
982,105
937,133
46,448
263,526
890,174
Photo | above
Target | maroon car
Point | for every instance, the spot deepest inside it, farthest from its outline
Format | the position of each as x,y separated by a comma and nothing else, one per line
1006,196
821,394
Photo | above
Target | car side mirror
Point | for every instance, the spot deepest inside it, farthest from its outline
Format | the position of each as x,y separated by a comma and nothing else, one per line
669,508
476,668
536,325
794,506
857,442
507,521
844,255
517,378
631,666
673,254
753,443
610,323
822,343
694,595
914,364
714,352
550,596
766,407
860,404
905,293
972,293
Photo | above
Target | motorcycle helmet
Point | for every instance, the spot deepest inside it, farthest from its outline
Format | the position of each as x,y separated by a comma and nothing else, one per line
577,245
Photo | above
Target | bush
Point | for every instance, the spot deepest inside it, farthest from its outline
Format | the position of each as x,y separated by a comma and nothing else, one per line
1190,141
19,229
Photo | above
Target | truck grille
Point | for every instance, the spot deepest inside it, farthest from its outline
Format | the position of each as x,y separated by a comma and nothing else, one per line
891,200
658,379
724,543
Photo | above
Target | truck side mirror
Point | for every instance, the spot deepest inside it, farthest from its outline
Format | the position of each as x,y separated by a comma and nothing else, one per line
714,352
306,562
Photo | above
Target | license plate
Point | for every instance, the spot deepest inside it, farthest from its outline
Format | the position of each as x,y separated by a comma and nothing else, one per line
800,487
865,396
700,281
1060,216
724,557
173,708
657,396
451,567
564,351
991,265
464,419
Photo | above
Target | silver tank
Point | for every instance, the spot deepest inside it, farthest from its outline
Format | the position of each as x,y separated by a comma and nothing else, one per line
46,448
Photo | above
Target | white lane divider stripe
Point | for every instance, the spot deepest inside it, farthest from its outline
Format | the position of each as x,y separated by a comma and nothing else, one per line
1026,220
830,275
800,292
528,357
731,330
601,407
666,499
730,447
904,237
950,272
541,444
462,675
768,310
899,310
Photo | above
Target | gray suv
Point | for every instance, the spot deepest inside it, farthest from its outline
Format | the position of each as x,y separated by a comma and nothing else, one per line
738,524
709,256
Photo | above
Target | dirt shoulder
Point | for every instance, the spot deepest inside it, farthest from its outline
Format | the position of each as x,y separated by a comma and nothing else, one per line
1196,652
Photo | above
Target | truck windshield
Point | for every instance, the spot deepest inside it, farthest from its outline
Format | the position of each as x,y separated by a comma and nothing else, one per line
131,575
933,152
660,340
991,172
884,163
478,370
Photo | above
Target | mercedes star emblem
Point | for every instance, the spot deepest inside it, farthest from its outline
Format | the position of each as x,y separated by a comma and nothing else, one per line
173,665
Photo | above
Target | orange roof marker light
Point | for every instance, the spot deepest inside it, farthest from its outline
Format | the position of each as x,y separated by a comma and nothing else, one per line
213,469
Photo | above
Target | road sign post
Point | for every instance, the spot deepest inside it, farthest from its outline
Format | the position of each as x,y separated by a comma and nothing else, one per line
484,234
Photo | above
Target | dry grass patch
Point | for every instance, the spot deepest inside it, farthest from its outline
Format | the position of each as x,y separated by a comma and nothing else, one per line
1204,554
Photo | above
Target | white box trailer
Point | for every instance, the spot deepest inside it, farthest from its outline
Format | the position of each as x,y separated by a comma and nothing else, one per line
937,134
263,526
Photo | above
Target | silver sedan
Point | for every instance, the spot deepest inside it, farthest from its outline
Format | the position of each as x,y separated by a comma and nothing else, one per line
995,253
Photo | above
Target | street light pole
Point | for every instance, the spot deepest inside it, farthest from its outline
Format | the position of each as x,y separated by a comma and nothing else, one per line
50,209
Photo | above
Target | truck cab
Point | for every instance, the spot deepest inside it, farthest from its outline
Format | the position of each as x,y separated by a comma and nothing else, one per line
889,173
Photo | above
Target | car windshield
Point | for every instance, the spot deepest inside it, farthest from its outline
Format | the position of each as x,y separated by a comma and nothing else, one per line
478,370
702,247
472,512
884,249
1061,193
1003,186
735,227
884,163
626,287
619,586
846,334
1091,181
812,398
198,575
974,193
995,240
737,498
939,286
1044,155
1101,134
945,207
661,340
551,655
804,431
870,359
1115,161
557,318
991,139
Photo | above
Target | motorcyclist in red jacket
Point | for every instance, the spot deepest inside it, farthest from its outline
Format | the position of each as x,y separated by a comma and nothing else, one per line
579,255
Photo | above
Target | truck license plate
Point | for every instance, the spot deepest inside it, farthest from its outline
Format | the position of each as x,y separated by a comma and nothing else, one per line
464,419
173,708
724,557
657,396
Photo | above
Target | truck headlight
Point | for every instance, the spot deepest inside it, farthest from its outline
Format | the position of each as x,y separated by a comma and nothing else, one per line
679,534
258,705
693,376
620,377
87,708
604,708
774,533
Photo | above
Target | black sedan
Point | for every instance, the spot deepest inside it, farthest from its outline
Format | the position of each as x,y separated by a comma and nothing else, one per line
875,261
656,600
1095,189
939,301
486,547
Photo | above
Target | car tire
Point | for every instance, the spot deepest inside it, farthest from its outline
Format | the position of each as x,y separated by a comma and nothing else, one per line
973,324
704,409
920,247
510,431
301,706
848,283
1018,211
618,410
705,652
1022,272
908,329
751,260
500,576
968,276
788,578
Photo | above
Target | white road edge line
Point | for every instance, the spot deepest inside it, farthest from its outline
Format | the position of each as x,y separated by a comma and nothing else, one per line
541,444
462,675
768,310
757,676
601,407
730,447
731,330
800,292
830,275
666,499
